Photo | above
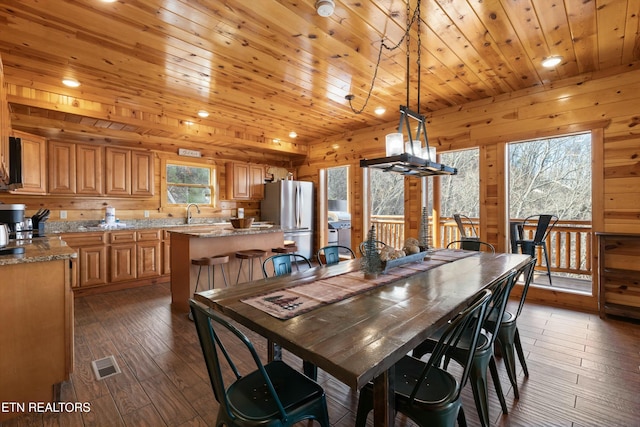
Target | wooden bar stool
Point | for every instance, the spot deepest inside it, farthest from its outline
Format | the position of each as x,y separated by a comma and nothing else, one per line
203,262
250,255
210,263
220,260
291,249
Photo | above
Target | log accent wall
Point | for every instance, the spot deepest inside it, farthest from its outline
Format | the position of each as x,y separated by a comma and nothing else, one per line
606,105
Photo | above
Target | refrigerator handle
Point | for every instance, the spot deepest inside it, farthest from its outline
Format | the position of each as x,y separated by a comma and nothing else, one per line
299,203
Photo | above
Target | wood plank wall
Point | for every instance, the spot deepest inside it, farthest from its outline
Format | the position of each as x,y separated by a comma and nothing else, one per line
604,104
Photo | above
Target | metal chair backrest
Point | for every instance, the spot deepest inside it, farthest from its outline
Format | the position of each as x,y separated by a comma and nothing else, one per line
545,224
363,246
282,263
461,220
331,254
472,245
527,272
217,357
501,290
469,319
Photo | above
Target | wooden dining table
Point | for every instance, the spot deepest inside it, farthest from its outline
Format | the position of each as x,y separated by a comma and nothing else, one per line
360,338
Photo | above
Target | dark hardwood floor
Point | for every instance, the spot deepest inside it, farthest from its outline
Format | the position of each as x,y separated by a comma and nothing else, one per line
584,371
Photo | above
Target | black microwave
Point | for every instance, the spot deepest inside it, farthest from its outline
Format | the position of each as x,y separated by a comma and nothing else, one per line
15,162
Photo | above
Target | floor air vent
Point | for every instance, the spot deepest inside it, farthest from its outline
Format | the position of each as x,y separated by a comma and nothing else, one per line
105,367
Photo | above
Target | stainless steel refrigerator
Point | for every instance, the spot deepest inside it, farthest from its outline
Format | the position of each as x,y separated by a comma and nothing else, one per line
290,204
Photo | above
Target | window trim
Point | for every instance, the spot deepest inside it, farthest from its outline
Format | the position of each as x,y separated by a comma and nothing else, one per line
164,202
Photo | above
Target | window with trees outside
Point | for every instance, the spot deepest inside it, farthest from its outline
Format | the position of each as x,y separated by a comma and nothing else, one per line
188,183
459,193
553,176
386,198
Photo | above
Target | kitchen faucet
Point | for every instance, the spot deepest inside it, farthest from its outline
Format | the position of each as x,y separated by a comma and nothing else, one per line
189,212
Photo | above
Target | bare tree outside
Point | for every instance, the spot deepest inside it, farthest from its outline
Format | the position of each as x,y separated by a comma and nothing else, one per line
337,184
461,193
551,176
387,193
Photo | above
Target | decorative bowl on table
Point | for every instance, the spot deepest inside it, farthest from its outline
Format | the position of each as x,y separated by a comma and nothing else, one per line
241,222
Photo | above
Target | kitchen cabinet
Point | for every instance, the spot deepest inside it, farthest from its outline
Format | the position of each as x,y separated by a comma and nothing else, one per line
34,171
92,257
129,172
122,256
36,337
118,259
118,171
619,274
244,181
75,168
62,167
89,170
142,179
149,253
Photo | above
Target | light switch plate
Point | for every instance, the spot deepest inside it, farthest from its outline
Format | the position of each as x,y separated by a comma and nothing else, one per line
63,214
146,214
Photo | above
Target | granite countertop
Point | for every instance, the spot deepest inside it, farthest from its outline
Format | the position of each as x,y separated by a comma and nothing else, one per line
39,249
59,227
224,231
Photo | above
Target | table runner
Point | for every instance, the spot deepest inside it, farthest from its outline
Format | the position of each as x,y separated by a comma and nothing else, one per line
290,302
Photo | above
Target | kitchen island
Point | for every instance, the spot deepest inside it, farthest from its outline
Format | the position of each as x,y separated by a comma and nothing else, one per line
36,322
197,242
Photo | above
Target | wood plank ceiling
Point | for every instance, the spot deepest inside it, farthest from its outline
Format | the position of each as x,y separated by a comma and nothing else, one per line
265,68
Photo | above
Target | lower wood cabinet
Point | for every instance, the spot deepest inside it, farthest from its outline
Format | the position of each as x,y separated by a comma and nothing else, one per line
91,268
122,261
119,258
93,260
149,253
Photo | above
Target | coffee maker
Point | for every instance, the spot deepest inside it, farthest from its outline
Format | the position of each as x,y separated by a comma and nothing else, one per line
12,215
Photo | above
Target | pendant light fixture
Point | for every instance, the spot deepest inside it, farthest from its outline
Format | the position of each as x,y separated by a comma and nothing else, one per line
407,153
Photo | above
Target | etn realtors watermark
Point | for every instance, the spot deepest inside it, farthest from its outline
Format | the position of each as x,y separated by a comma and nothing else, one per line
42,407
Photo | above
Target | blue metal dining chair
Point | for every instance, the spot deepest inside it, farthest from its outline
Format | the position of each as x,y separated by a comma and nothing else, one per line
483,358
329,255
424,392
282,263
274,394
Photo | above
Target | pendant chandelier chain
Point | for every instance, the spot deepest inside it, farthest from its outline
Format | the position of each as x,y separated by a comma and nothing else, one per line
411,18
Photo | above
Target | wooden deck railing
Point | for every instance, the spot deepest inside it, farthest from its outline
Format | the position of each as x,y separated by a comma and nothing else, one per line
568,244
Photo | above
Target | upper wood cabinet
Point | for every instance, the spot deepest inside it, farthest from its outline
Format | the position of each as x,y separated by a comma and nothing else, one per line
34,171
118,171
129,172
75,168
142,173
244,181
62,167
89,170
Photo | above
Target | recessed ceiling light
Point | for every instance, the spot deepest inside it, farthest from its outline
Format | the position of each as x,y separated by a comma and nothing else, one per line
188,123
325,7
203,114
380,110
551,61
70,82
292,134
